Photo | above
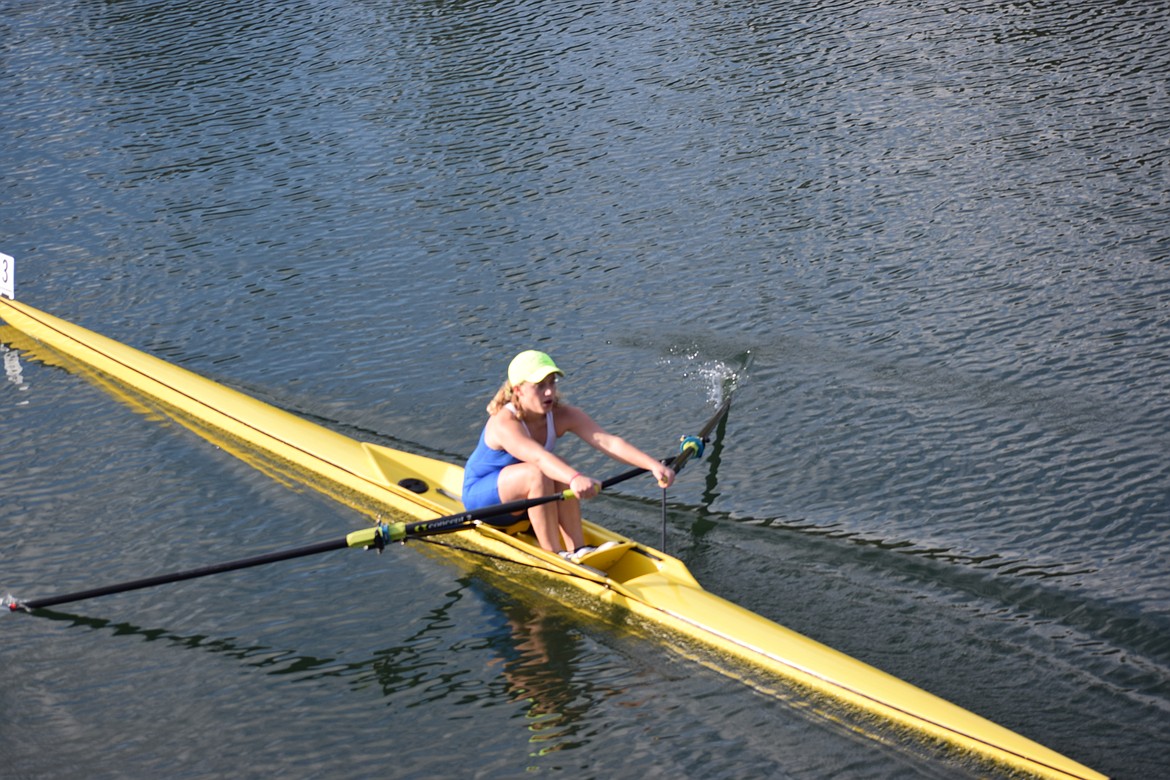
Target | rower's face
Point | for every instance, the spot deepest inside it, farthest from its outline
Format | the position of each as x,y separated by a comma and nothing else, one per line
538,397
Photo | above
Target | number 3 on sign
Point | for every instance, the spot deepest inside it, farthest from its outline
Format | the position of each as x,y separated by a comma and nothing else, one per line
7,276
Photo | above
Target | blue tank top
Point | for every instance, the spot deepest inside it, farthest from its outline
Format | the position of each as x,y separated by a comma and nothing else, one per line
487,463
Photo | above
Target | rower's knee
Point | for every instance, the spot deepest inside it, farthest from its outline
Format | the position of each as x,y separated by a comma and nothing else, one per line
537,483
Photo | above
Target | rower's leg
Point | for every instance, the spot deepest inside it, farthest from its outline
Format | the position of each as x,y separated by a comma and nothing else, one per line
569,519
524,480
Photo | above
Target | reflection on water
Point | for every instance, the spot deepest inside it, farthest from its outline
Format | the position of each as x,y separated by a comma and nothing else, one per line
531,656
12,369
532,649
537,663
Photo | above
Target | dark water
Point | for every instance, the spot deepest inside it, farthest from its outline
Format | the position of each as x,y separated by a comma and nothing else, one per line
925,242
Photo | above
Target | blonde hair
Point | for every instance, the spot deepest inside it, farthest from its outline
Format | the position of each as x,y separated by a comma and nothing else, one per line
503,397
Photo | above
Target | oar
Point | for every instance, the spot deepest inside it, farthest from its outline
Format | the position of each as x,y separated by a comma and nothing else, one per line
377,537
693,446
190,574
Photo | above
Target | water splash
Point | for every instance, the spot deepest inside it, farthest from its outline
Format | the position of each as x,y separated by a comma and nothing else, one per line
720,378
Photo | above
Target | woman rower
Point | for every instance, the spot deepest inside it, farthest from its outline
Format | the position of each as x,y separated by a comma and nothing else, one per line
514,459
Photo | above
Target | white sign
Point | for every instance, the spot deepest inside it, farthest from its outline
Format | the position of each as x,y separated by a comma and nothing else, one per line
7,276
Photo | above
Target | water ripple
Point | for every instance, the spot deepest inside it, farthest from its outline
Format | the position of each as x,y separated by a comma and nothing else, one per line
927,241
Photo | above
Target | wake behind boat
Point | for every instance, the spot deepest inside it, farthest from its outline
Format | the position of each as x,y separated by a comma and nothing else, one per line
417,491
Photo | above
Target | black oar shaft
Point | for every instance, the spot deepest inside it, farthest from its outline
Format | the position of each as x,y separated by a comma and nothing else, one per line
190,574
447,524
608,483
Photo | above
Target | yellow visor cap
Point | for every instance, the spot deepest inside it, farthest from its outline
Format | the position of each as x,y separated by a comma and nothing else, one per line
531,366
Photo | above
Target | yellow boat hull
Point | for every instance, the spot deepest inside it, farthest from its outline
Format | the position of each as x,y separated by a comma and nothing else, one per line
646,582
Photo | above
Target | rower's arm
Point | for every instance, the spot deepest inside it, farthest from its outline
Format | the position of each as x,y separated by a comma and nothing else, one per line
508,432
618,448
